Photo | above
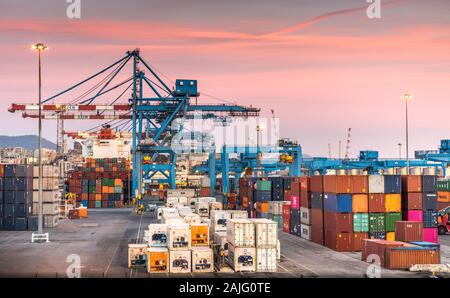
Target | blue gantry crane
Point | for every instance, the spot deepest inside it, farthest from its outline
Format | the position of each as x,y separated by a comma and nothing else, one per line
151,113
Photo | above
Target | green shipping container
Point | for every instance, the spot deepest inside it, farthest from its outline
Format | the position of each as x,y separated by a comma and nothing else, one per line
377,222
263,185
361,222
98,204
443,185
391,219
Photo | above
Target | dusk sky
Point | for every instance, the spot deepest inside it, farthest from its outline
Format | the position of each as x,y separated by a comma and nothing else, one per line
322,65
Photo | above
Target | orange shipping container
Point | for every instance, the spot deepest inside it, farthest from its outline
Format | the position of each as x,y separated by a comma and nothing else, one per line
443,196
83,212
393,202
262,207
200,235
158,260
401,258
105,189
360,203
110,189
98,197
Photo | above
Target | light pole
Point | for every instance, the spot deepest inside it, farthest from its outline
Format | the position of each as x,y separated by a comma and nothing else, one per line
406,97
40,47
400,150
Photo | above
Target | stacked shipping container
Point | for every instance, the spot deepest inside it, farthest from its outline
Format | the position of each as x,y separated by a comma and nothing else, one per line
101,183
16,188
340,211
420,203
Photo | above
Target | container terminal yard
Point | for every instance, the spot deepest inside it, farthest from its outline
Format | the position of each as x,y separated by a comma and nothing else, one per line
171,182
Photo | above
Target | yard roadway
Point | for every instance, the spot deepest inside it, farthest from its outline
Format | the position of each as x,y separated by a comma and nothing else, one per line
101,243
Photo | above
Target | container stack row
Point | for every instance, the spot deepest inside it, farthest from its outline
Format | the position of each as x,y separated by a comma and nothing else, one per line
255,194
420,203
19,186
195,235
339,211
101,183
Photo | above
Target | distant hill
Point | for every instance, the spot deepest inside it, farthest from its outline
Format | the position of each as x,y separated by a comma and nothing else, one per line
29,142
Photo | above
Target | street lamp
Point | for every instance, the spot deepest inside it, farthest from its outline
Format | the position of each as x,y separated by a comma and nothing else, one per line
400,150
40,47
406,97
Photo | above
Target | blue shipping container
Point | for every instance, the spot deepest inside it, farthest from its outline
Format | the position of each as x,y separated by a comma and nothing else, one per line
392,184
20,210
316,200
8,223
10,197
20,224
429,201
429,183
430,219
9,210
262,195
340,203
84,203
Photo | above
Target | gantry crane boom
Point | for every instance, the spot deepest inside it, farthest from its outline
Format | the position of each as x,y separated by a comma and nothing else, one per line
151,116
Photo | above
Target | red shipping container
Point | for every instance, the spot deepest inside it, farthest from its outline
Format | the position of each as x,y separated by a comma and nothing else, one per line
338,241
408,231
337,184
205,192
403,258
412,201
377,247
286,218
305,183
295,202
358,240
412,183
295,188
317,235
287,195
104,204
339,222
305,200
360,184
91,204
316,183
376,203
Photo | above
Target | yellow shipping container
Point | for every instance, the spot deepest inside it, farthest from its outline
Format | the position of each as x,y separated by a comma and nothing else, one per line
390,236
393,203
